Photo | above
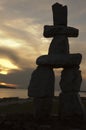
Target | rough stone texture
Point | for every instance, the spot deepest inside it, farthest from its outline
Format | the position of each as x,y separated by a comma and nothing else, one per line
42,82
70,106
70,80
60,60
42,107
59,45
52,31
41,86
59,14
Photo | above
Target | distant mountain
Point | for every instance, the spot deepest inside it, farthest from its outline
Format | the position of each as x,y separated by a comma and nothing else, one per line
7,87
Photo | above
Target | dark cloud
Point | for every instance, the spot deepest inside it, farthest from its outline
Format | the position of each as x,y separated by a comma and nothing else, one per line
16,33
40,13
24,8
14,57
21,78
26,39
8,53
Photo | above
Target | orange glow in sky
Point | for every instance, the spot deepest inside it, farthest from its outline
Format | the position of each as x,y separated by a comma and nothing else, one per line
9,42
22,40
4,72
6,66
6,84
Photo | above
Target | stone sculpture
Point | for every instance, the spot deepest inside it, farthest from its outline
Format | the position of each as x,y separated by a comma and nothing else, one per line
41,86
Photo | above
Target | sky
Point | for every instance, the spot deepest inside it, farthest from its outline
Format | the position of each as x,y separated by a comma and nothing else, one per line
22,41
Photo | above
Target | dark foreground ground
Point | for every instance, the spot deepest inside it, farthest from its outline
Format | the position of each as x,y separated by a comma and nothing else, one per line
18,116
25,121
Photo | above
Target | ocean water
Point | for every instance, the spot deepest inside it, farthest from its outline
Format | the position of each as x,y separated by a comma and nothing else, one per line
23,93
82,94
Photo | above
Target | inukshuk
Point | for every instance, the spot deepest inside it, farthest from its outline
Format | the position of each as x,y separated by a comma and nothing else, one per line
41,85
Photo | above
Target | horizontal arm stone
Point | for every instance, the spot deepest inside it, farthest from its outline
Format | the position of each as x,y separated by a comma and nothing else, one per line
52,31
60,60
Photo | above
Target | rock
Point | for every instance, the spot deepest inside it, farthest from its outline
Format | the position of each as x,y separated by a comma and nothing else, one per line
59,45
41,85
42,107
59,14
71,107
42,82
60,60
52,31
70,80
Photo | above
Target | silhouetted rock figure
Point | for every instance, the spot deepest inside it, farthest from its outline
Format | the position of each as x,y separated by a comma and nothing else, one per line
41,86
42,82
60,60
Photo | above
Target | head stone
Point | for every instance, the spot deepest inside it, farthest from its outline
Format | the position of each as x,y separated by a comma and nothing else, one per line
59,14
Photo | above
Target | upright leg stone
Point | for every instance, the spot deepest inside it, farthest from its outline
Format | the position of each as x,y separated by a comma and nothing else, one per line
41,87
42,107
70,80
42,82
71,106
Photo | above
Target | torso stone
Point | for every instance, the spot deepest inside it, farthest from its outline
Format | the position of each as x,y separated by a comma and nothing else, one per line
59,45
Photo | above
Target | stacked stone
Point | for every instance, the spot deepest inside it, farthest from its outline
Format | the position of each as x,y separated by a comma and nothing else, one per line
41,88
42,81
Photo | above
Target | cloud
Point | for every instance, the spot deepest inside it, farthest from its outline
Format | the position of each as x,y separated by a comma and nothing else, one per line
20,78
16,57
23,9
9,53
42,13
21,24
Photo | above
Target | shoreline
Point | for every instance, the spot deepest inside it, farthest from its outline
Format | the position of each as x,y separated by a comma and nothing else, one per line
14,100
17,113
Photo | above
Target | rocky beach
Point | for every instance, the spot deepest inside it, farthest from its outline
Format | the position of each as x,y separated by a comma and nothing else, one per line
17,114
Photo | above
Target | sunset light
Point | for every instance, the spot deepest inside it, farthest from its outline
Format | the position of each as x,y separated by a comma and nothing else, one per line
7,64
7,84
43,64
4,72
22,40
9,42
